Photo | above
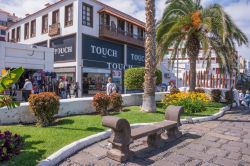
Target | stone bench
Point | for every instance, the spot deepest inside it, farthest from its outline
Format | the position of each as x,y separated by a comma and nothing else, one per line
122,134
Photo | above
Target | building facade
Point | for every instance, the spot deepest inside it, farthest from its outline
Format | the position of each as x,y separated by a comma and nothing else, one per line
206,76
91,41
6,19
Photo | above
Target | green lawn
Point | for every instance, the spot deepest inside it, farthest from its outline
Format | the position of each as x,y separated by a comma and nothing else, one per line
42,142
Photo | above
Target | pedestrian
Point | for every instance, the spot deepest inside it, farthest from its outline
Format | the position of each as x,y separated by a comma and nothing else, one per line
241,97
27,89
236,97
61,88
247,98
68,87
111,87
76,88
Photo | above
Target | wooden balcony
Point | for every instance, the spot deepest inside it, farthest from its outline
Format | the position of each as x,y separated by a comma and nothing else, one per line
54,29
113,33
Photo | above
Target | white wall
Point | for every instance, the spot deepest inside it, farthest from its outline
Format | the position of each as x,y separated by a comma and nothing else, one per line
15,55
67,107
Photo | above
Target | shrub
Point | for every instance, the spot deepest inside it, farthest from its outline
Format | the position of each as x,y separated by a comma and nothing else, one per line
44,106
134,78
200,90
101,102
216,95
10,145
174,91
191,101
116,101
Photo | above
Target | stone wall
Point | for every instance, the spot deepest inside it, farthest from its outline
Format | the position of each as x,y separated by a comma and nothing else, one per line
68,107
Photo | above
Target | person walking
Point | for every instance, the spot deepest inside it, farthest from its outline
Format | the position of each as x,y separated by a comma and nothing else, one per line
61,88
76,88
241,97
247,98
111,87
27,89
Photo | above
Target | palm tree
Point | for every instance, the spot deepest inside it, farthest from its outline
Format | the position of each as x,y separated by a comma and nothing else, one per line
149,104
187,23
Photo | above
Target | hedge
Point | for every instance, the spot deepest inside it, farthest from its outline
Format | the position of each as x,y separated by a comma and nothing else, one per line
134,78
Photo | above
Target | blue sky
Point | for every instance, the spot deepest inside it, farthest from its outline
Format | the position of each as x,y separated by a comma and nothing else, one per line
238,9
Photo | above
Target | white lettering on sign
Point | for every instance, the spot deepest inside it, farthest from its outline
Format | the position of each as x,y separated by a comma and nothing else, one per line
118,66
103,51
63,50
138,58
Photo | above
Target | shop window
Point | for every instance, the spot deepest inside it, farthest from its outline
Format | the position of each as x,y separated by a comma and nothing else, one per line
69,15
45,24
33,28
3,32
87,15
18,31
55,17
26,31
13,33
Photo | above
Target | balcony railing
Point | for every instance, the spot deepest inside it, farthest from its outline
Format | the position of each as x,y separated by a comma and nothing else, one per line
54,29
114,33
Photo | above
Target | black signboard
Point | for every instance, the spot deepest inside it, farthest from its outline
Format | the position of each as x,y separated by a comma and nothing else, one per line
64,48
135,56
42,44
100,53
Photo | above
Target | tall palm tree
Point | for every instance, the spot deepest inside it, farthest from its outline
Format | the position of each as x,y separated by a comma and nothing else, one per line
187,23
149,104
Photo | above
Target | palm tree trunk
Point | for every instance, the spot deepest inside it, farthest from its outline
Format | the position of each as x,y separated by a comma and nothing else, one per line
148,103
193,48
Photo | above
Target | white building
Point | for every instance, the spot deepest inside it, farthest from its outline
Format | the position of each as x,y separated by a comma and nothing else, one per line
6,19
92,40
210,77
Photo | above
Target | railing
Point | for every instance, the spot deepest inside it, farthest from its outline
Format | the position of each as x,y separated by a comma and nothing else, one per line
120,35
54,29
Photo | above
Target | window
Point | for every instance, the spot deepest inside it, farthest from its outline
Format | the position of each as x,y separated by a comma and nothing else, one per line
3,32
45,24
130,29
141,33
55,17
26,31
87,15
105,19
68,15
33,28
8,37
13,34
121,26
18,31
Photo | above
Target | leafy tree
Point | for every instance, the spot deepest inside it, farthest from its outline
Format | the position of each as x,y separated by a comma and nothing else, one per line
6,81
190,27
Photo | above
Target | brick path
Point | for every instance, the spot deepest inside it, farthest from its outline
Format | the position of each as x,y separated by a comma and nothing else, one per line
222,142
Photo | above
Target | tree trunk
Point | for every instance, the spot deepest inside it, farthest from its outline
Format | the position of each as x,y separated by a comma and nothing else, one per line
193,48
148,103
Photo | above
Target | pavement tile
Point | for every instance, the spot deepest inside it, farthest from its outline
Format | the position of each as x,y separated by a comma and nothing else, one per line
217,152
193,163
246,151
234,156
246,158
177,159
226,162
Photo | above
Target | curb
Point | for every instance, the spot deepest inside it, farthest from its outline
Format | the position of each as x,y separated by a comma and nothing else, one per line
76,146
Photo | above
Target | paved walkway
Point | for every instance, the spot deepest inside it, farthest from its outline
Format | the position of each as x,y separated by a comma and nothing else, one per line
225,141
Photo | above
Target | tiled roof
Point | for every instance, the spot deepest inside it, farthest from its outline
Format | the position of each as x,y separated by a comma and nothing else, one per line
9,14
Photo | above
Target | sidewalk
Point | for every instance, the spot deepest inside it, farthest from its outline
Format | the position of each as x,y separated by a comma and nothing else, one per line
225,141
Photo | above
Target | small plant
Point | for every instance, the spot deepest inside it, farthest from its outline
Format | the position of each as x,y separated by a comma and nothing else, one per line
216,95
10,145
116,102
174,91
101,102
44,106
200,90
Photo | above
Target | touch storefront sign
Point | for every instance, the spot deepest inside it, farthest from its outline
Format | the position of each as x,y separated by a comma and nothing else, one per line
99,53
64,48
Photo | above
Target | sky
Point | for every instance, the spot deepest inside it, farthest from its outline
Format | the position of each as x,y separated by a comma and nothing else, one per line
239,10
